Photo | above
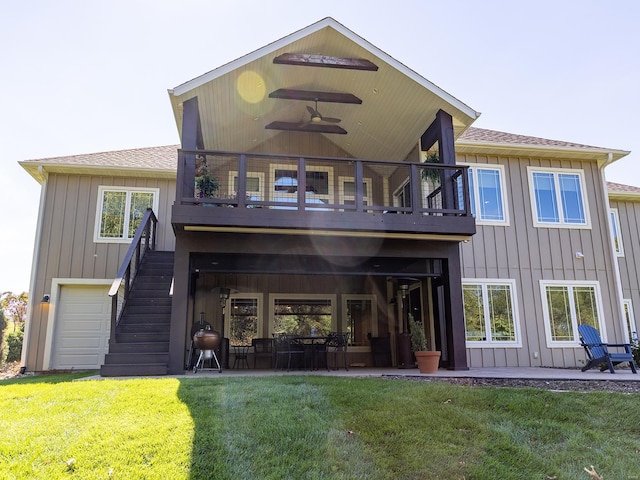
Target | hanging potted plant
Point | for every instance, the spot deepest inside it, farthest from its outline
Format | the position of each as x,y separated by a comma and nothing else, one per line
431,174
427,360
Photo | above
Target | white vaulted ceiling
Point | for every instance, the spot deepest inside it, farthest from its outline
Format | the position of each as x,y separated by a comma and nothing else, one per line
397,103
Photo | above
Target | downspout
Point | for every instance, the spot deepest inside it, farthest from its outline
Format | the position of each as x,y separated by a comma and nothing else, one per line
33,302
612,253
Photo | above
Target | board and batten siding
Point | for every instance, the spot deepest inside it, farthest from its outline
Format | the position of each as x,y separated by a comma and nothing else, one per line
629,264
528,254
67,248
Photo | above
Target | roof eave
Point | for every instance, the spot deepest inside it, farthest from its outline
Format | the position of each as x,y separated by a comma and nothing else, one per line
39,170
547,150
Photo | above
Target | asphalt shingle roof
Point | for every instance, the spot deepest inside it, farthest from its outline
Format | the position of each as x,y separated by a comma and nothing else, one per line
473,134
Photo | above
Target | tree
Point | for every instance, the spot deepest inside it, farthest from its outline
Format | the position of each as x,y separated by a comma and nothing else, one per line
14,307
3,325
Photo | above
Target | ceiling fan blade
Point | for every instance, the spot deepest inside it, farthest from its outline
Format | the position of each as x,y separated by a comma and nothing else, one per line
331,119
313,112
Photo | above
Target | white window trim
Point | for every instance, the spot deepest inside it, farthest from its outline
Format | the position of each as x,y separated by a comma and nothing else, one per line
341,195
615,227
328,198
252,193
251,296
398,191
297,296
503,191
373,328
574,322
108,188
516,318
561,223
630,322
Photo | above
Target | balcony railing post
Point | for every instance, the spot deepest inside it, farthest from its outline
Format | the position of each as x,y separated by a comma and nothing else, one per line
414,182
358,186
241,194
465,190
302,183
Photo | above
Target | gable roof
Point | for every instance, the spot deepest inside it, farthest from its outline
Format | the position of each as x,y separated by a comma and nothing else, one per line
397,105
503,143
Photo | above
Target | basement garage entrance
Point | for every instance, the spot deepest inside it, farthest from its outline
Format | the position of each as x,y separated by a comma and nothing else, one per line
81,335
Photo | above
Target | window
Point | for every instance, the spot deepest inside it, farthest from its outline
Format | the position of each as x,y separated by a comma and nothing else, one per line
557,198
615,232
360,318
630,321
489,312
119,211
567,305
347,193
254,185
402,196
486,194
303,314
243,323
319,182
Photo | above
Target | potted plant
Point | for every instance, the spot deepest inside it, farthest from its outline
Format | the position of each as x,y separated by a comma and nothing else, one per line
427,360
431,174
207,185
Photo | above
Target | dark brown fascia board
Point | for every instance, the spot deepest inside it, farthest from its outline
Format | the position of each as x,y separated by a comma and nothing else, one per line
311,96
310,60
306,127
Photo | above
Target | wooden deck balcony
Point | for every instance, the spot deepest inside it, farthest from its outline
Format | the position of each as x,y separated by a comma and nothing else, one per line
293,194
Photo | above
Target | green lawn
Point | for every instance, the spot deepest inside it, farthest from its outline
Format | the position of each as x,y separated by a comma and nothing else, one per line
305,427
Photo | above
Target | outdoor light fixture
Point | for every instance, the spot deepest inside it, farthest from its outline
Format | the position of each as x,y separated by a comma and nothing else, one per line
224,295
45,298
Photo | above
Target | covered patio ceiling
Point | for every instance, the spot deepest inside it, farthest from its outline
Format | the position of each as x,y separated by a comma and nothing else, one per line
383,106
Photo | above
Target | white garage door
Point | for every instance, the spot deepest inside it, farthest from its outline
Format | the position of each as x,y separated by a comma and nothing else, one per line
83,318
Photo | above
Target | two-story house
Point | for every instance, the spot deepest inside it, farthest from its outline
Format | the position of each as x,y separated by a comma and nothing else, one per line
321,185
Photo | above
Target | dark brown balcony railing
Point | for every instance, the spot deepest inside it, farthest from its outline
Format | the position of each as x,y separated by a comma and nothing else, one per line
284,183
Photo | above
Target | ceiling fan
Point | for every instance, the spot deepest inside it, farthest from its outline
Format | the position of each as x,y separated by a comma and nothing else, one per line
317,117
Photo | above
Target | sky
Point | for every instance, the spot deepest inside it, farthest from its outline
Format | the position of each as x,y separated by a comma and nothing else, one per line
91,76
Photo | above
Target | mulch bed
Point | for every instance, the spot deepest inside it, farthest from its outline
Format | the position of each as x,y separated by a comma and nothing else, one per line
556,385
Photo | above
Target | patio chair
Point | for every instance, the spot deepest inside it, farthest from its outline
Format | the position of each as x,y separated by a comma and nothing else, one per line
337,344
598,354
262,348
287,348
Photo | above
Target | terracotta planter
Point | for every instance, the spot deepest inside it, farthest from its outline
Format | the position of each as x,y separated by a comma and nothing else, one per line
427,361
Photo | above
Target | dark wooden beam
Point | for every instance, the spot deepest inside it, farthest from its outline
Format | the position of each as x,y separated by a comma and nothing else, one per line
310,60
191,140
311,96
306,127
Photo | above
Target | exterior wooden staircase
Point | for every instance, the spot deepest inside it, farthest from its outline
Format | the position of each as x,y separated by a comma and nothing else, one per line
142,336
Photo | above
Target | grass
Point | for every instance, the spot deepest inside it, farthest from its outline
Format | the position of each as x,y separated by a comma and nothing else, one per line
305,427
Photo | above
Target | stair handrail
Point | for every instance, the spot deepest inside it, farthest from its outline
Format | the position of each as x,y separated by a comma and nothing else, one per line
143,241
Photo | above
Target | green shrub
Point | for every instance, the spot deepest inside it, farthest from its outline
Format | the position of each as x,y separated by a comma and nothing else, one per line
635,349
14,344
3,325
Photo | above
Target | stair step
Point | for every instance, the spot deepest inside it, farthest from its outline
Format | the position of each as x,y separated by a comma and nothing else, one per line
137,337
146,318
147,309
139,347
140,358
144,328
133,370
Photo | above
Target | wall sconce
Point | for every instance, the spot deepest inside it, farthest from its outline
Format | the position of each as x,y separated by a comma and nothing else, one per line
579,255
45,298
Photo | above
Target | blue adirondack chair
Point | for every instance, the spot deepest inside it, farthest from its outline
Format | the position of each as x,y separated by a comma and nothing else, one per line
598,353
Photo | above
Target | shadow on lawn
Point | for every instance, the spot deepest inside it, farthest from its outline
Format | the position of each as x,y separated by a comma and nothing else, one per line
209,453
